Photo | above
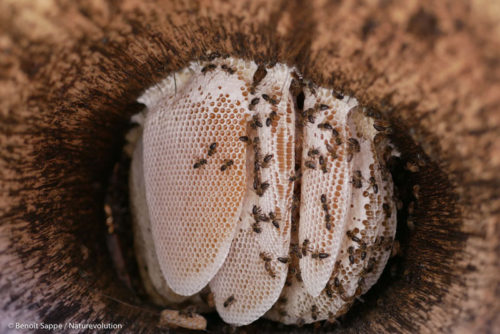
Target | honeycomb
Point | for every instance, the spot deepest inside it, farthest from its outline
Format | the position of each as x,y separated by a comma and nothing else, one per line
252,273
281,210
194,211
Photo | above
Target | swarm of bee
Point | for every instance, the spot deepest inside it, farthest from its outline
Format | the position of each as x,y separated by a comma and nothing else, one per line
259,194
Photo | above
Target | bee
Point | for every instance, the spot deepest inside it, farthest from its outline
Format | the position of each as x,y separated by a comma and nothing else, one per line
357,179
305,247
323,107
338,141
352,147
382,126
354,144
314,312
310,85
371,265
354,238
213,55
260,187
350,250
323,198
336,282
312,152
272,116
373,183
199,163
267,160
319,255
256,227
256,213
298,275
212,149
226,165
295,87
274,219
253,103
270,269
379,139
324,203
322,163
329,290
255,123
264,218
259,74
325,126
310,164
369,112
244,139
295,250
284,260
338,95
328,223
256,166
309,115
228,69
266,97
208,68
265,257
331,316
268,264
332,151
387,210
229,301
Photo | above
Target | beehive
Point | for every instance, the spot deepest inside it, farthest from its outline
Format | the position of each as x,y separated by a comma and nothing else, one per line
260,195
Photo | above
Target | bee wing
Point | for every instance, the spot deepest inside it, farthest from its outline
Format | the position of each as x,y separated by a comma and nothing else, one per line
334,183
194,211
245,275
367,221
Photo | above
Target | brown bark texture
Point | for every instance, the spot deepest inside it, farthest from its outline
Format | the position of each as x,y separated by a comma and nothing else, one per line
70,72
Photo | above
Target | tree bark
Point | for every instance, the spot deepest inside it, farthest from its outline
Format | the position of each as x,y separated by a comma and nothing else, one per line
70,72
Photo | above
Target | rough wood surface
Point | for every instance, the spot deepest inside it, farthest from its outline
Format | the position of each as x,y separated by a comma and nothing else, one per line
70,72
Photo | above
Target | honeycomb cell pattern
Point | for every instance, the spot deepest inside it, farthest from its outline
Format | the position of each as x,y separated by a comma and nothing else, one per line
284,210
332,180
194,211
364,250
252,273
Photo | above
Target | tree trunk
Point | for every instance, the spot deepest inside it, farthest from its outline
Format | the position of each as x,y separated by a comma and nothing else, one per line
70,72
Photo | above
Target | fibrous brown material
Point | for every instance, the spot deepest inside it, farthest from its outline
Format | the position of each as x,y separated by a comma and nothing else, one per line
70,71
